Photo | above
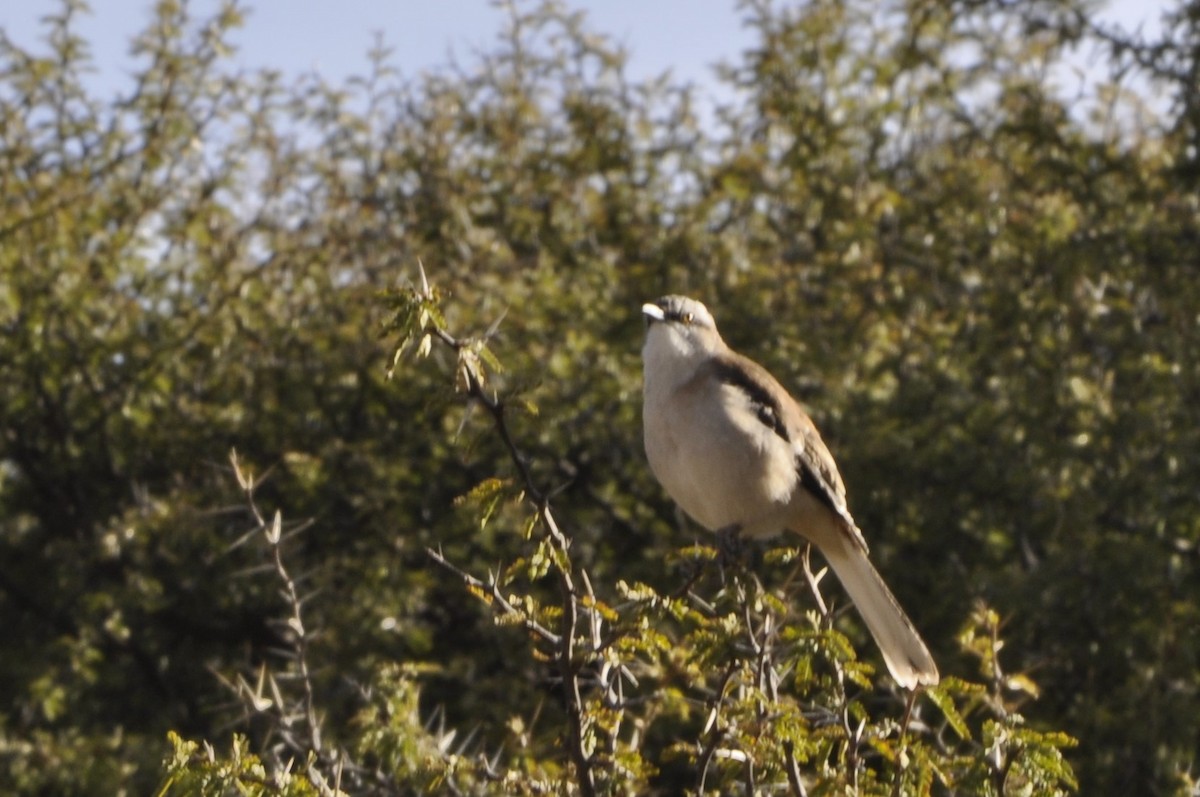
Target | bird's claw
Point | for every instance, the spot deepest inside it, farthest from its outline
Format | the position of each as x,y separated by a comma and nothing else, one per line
731,546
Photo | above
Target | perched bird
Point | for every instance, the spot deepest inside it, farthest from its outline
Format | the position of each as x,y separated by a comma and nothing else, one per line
737,452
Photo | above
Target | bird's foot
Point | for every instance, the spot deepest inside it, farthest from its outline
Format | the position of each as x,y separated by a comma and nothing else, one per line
731,546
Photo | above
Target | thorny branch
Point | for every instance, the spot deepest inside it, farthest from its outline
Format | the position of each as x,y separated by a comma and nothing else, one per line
472,385
492,589
300,636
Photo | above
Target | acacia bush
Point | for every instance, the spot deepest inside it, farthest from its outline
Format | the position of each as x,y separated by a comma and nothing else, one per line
437,561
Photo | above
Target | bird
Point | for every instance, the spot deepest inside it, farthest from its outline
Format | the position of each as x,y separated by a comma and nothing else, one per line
736,452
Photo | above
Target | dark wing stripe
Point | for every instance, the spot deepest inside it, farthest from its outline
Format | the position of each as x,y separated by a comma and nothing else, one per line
816,484
819,476
765,406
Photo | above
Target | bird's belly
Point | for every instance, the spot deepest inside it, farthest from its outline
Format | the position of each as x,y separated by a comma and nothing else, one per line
720,474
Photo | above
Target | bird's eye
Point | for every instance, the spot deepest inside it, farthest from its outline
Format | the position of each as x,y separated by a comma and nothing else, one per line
688,318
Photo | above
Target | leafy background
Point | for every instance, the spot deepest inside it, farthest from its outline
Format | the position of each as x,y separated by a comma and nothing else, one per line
986,292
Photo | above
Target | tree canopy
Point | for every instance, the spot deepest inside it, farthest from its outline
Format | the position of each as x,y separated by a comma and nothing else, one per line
320,443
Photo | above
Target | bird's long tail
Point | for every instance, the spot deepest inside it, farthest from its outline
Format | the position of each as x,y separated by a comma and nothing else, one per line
903,650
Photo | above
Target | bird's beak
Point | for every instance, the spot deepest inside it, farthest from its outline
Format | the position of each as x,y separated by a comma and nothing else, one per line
653,313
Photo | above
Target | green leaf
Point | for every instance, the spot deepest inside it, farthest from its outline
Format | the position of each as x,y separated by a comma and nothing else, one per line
942,697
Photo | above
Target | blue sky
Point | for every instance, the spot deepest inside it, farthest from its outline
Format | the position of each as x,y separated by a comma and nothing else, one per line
332,38
685,36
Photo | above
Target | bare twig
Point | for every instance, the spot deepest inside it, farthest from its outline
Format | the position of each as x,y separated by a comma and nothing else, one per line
908,709
793,769
813,580
714,726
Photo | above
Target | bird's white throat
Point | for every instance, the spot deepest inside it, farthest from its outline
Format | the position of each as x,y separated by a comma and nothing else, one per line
669,358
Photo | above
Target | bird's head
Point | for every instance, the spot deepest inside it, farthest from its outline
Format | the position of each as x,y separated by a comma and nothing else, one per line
679,328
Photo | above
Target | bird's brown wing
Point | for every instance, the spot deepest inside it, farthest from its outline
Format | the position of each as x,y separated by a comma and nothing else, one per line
777,410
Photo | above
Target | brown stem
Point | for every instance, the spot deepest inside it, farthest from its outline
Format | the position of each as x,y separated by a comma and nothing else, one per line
565,657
